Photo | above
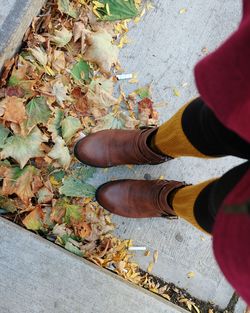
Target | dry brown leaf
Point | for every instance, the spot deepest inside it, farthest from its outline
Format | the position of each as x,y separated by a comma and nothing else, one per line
14,109
22,185
101,51
58,62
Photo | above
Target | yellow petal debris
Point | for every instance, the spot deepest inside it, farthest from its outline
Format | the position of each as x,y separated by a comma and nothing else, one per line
123,41
161,177
149,6
147,253
134,79
176,92
183,10
150,267
190,274
156,254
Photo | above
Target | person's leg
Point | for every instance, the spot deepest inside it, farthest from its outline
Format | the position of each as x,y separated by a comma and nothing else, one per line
199,204
195,131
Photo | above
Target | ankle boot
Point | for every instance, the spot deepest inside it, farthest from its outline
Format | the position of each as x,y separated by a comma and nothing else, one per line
138,198
113,147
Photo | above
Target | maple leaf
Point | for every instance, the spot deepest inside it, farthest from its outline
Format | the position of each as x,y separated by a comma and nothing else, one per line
80,32
99,96
40,55
117,10
117,120
73,187
7,204
4,133
58,61
58,210
14,109
37,111
101,51
45,195
54,124
62,37
70,125
60,152
60,92
66,7
19,181
34,220
81,72
22,149
73,214
72,248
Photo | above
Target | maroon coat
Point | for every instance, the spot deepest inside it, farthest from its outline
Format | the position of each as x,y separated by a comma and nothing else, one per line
223,80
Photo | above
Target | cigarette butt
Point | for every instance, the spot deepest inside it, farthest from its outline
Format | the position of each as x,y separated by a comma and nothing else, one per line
124,76
137,248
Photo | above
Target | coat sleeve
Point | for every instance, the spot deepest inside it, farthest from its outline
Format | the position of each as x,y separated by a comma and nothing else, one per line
223,78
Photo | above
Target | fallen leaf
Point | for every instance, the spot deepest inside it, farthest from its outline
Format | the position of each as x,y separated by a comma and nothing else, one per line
60,91
14,109
58,62
73,187
60,152
150,267
45,195
117,10
34,220
70,125
61,37
54,124
70,247
40,55
4,133
22,149
80,32
81,72
37,112
19,181
101,51
65,6
8,204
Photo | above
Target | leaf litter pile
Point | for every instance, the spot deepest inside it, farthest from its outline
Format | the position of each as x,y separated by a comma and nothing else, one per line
59,88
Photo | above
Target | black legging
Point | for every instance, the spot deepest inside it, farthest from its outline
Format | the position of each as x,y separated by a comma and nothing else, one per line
210,137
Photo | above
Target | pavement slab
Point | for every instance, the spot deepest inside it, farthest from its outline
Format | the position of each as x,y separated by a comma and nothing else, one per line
163,50
40,277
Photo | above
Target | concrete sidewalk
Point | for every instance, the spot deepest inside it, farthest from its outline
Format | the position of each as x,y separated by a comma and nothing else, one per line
164,49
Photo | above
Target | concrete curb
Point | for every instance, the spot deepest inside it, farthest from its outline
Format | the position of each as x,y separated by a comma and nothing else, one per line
15,18
46,278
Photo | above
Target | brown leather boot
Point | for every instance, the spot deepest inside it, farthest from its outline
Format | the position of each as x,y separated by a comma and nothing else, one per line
113,147
138,198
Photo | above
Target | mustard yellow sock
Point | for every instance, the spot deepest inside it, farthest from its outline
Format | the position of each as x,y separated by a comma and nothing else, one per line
171,140
184,200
